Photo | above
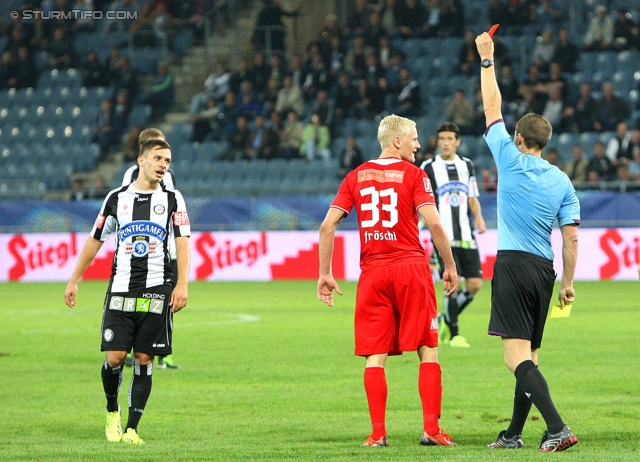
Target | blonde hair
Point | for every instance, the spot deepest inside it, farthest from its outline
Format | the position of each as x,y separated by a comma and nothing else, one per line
150,134
392,126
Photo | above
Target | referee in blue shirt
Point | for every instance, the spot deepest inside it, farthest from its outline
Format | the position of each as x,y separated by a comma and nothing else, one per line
532,195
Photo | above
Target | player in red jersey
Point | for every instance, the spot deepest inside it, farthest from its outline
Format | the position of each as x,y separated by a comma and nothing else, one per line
396,308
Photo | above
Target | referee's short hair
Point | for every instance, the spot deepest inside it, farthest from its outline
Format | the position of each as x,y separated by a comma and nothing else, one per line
535,130
150,134
449,127
152,145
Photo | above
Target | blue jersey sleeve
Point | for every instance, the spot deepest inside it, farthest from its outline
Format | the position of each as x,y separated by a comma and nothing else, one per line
502,147
569,213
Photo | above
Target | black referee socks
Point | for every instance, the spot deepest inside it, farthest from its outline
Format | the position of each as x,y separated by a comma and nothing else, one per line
535,386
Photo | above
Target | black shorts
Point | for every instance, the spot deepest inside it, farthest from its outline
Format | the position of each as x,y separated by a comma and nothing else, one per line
521,290
141,320
467,262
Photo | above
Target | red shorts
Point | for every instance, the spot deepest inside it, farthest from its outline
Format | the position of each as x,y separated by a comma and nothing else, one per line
396,310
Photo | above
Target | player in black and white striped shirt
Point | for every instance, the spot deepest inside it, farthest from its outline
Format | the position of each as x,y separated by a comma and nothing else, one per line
454,185
141,298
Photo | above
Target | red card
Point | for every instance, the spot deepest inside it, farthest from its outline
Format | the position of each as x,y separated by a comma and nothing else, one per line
493,29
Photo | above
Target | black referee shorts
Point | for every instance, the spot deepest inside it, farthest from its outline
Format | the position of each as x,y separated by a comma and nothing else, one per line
521,290
141,320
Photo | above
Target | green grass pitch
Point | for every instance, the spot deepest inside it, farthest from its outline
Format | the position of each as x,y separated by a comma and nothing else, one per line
268,373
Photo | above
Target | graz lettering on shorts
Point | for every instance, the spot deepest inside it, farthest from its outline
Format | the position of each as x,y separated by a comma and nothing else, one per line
379,236
145,304
381,176
142,228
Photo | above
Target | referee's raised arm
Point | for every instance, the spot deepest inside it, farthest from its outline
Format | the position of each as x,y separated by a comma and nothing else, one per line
491,98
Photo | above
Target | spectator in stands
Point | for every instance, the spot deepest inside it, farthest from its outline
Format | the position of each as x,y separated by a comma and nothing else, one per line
331,28
131,145
555,79
374,71
520,16
345,98
501,54
619,148
248,100
374,30
527,104
60,50
566,53
205,122
547,14
269,26
634,166
325,108
479,119
24,72
316,140
413,21
229,113
83,22
363,104
163,22
142,28
291,137
600,167
392,72
277,69
384,51
237,138
269,96
350,158
489,179
113,60
358,19
297,71
468,57
17,39
535,83
262,142
316,77
625,31
103,132
78,193
260,72
634,143
498,13
218,83
336,55
128,6
290,98
584,109
93,73
460,111
7,66
553,110
380,98
553,157
355,61
39,31
121,110
388,17
125,78
99,189
599,35
160,96
407,100
508,84
610,110
427,152
451,14
576,168
544,50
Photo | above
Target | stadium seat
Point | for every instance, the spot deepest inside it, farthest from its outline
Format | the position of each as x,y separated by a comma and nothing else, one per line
140,115
623,81
606,61
587,61
627,60
437,86
442,66
420,66
587,140
181,42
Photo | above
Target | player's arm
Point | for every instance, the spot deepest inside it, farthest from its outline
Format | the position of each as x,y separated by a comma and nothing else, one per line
430,215
566,294
180,292
474,206
491,98
326,283
87,255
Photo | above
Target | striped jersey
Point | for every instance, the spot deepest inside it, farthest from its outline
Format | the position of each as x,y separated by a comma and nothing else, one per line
453,182
143,223
386,194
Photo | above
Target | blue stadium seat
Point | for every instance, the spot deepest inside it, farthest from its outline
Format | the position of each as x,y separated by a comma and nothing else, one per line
437,86
587,140
606,61
587,61
442,66
420,66
456,82
627,60
181,42
140,115
623,81
431,46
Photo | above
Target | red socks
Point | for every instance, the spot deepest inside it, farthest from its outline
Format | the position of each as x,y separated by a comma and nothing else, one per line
430,388
375,385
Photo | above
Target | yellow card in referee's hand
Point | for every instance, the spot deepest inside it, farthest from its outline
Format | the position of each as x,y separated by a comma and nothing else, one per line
558,312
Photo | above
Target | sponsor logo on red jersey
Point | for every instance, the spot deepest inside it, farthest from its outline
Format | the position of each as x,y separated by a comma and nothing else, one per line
100,221
427,185
180,219
381,176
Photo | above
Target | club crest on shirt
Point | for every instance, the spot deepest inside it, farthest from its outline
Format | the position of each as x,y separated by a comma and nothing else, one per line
159,209
140,248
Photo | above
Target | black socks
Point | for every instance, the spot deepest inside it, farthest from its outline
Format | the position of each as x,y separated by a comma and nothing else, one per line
111,380
139,392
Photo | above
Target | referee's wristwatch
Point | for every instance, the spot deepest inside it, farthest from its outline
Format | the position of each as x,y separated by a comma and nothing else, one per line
486,63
